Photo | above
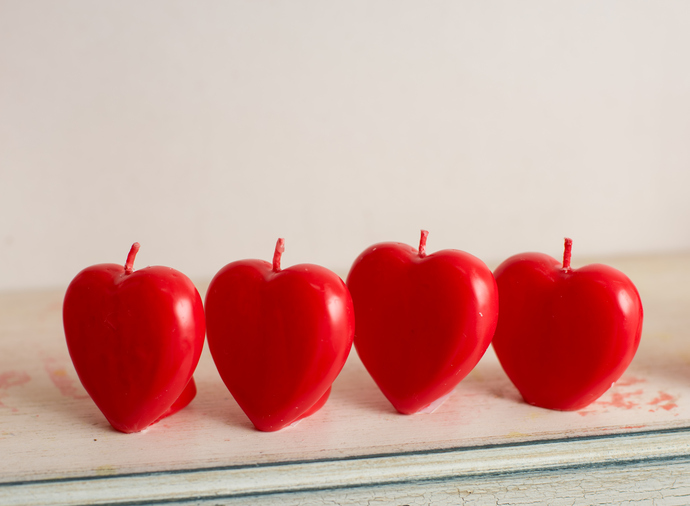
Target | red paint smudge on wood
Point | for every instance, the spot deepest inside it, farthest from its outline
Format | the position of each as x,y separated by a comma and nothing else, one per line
664,401
663,396
629,380
58,375
621,400
12,379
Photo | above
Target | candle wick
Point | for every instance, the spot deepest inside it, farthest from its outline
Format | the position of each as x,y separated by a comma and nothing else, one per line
129,264
280,248
422,243
566,254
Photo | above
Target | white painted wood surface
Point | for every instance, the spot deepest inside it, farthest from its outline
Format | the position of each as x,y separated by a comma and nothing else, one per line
484,445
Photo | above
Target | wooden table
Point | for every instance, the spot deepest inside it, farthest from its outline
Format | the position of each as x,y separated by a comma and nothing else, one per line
483,446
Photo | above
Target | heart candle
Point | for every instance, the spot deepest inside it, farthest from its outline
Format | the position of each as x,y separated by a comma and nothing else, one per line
423,321
564,335
279,337
135,338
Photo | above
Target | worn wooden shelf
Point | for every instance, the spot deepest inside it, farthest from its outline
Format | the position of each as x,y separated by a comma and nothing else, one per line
484,445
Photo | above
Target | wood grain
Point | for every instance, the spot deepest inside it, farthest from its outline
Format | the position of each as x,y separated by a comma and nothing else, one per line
56,448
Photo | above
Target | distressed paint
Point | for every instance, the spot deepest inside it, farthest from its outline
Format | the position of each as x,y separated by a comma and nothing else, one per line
475,442
60,377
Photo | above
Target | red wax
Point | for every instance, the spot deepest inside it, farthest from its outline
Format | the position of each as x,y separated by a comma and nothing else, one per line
564,335
423,321
135,338
279,337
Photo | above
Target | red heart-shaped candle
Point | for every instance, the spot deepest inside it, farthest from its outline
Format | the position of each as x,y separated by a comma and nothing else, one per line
135,338
423,321
279,338
564,335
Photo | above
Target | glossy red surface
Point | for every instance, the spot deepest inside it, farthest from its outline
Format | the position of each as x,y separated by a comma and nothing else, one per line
423,322
135,338
279,338
564,336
